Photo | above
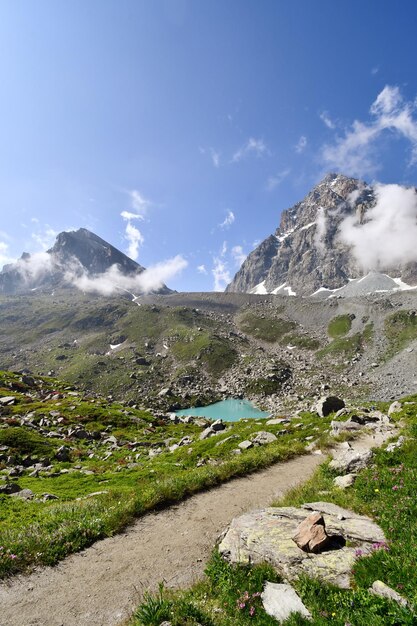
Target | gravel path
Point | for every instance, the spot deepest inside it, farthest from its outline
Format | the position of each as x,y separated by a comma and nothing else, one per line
103,584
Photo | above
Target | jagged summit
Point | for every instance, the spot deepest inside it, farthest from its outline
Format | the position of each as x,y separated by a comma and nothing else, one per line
306,252
76,256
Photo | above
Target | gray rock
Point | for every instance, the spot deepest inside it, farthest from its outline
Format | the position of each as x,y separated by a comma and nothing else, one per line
277,420
341,427
207,432
263,437
49,496
351,461
343,482
329,404
10,488
280,601
7,400
63,454
395,407
266,535
381,589
245,445
24,494
396,444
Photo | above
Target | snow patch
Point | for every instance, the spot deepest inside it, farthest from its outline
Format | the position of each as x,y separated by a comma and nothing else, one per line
259,289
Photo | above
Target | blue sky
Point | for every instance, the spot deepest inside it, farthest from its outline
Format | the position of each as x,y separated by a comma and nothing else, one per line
182,128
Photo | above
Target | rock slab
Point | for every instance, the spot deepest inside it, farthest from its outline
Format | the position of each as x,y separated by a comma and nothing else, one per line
280,601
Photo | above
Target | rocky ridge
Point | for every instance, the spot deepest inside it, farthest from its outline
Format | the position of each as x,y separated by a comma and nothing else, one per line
306,253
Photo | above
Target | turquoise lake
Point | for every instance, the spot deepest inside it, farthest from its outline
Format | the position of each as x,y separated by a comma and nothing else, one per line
229,410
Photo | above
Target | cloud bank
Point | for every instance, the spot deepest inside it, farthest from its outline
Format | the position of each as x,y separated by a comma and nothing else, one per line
388,237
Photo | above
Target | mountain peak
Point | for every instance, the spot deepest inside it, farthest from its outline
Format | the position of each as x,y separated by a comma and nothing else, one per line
309,252
77,256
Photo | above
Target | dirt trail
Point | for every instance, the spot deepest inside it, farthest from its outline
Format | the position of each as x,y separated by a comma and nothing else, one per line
103,584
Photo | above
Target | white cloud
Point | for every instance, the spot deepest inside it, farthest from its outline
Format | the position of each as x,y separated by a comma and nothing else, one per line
354,153
301,144
5,257
388,236
127,215
276,180
321,228
138,202
133,235
202,269
228,220
45,237
113,279
135,239
214,155
238,255
253,147
221,274
326,119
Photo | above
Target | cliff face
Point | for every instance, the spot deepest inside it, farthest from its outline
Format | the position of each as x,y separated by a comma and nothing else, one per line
306,252
76,253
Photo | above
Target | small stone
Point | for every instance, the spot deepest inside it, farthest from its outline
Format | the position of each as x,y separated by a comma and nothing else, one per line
344,481
245,445
277,420
381,589
280,601
263,437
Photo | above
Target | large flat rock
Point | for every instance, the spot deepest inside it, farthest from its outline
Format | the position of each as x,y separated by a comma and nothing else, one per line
266,535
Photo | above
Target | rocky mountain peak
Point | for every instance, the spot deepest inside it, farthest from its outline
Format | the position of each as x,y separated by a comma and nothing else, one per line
306,252
75,254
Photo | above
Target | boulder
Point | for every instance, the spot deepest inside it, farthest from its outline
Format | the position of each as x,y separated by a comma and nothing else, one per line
395,407
10,488
280,601
351,461
263,437
23,494
311,534
63,454
343,427
266,535
329,404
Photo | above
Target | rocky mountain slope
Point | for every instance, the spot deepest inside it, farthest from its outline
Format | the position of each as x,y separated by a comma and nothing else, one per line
307,253
182,350
75,255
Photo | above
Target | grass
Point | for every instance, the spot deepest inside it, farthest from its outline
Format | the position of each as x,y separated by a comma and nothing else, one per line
348,347
386,492
267,328
127,481
340,325
400,329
